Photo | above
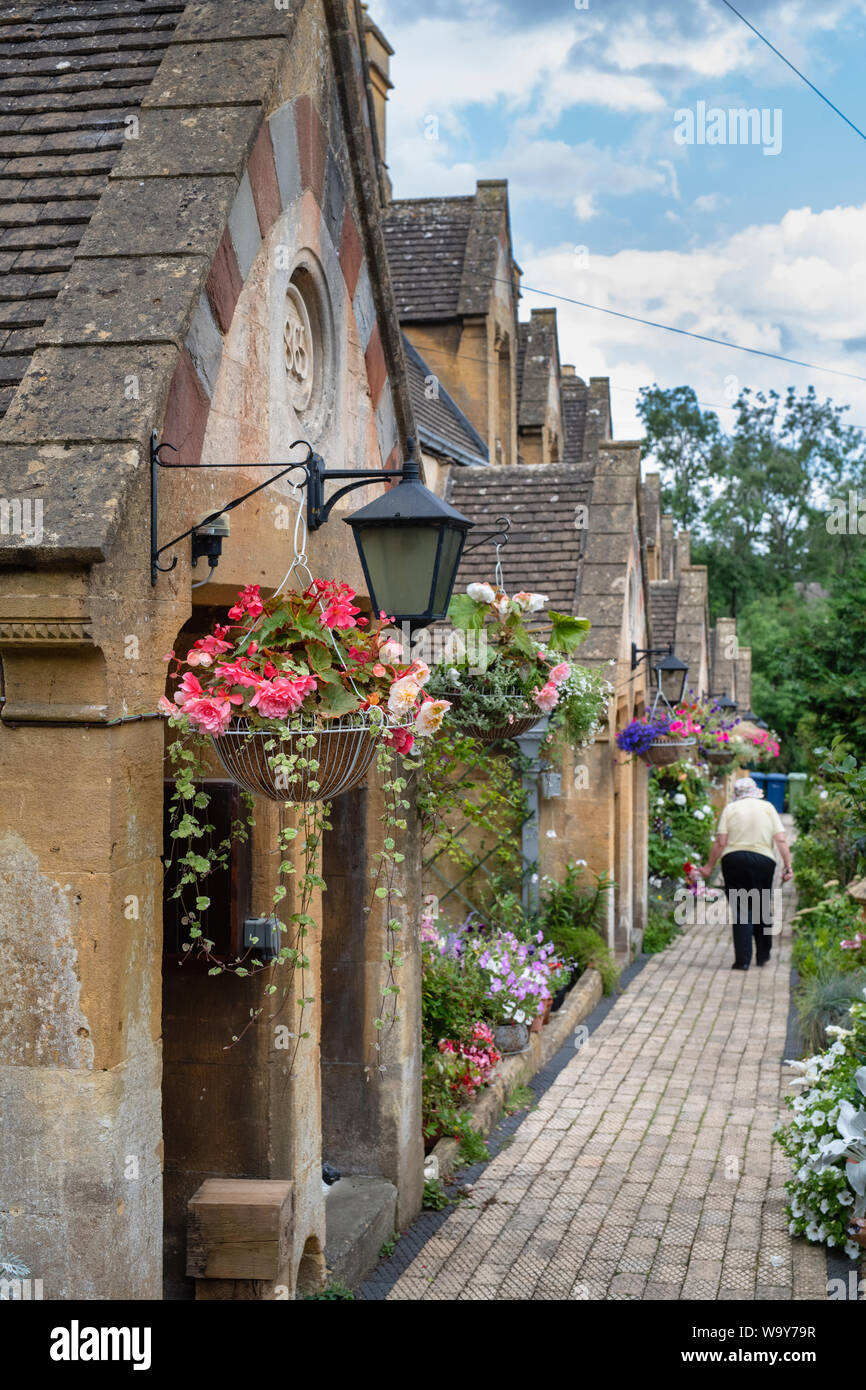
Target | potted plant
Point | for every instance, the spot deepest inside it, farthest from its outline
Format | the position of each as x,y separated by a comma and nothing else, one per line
501,678
295,691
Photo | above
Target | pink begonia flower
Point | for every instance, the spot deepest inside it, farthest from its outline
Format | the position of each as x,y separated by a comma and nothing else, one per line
378,669
236,673
560,673
340,611
858,941
430,716
249,601
419,671
546,698
189,688
198,658
401,740
280,697
391,651
213,713
403,694
166,707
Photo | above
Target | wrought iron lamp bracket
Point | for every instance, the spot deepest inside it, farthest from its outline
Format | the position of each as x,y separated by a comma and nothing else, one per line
315,477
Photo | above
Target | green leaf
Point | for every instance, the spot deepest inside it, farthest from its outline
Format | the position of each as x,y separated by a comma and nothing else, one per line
319,656
335,699
466,614
567,633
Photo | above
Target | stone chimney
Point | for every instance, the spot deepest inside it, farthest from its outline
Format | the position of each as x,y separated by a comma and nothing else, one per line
379,54
683,557
567,369
666,569
744,679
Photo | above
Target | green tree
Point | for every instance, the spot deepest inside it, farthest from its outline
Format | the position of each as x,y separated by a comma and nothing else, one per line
682,440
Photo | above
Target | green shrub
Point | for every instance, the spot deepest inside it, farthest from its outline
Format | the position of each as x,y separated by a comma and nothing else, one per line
661,928
435,1197
473,1148
570,916
823,1000
818,934
682,820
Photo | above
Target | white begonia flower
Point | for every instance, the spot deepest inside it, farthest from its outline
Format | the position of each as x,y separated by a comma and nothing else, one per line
481,593
680,799
698,815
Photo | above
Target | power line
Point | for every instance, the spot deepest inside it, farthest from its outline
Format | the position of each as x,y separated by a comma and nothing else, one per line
802,76
686,333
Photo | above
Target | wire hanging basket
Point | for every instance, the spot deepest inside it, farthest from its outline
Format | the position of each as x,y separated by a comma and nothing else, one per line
518,721
663,751
336,762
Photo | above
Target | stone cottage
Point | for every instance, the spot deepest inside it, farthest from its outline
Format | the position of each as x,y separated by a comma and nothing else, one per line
191,245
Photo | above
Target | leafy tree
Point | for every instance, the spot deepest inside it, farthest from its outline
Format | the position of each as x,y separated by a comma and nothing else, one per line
683,440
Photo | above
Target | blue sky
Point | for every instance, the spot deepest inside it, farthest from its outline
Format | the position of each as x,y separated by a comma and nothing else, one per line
576,108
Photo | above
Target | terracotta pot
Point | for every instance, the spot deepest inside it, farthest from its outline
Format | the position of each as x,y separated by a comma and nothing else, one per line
343,752
511,1037
519,723
548,1005
537,1024
664,751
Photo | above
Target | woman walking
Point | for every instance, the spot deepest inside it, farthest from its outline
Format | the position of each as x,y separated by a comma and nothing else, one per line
748,829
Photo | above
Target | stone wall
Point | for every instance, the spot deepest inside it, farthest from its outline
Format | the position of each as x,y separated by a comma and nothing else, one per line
254,164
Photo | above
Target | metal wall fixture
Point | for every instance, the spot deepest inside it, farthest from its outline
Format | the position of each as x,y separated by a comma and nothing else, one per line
670,671
409,541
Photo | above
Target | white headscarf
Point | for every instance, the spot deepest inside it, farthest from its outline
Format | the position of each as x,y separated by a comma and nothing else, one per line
746,786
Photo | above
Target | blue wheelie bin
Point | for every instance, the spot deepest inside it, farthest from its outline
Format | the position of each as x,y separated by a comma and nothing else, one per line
775,791
760,778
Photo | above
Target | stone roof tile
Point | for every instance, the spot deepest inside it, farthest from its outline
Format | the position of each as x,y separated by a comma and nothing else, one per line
70,77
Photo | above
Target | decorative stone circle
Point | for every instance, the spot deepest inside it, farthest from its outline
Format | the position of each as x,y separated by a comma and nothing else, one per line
300,350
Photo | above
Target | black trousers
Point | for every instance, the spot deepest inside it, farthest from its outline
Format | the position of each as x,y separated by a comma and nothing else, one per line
748,881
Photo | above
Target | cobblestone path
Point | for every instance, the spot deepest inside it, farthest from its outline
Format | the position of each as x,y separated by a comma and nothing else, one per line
647,1170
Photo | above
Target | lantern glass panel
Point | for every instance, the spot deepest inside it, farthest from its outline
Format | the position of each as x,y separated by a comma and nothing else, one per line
400,561
673,684
452,544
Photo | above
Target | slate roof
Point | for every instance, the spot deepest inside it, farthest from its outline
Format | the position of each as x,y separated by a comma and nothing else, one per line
664,598
574,393
442,427
536,357
426,242
70,76
544,547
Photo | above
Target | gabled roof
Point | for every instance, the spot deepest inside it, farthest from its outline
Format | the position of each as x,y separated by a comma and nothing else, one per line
443,429
443,252
71,75
544,547
426,242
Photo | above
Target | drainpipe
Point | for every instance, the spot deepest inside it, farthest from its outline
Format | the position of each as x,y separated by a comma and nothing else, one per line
530,747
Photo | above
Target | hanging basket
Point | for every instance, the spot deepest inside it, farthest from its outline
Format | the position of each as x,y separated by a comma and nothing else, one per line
520,721
664,751
717,757
342,752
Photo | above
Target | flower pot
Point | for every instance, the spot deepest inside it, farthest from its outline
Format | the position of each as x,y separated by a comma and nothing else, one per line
664,751
343,751
509,1038
519,722
548,1005
537,1023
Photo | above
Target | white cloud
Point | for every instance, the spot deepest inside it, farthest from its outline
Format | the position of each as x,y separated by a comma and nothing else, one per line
795,287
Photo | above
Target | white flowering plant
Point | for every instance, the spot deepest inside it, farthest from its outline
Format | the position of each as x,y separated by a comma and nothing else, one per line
682,821
826,1138
501,670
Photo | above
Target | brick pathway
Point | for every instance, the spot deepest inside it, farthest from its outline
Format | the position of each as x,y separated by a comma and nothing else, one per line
647,1170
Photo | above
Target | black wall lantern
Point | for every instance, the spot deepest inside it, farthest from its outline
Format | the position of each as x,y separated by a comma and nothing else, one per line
726,705
410,542
670,671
